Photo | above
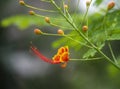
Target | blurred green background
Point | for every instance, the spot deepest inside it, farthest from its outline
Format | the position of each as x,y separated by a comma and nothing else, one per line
21,69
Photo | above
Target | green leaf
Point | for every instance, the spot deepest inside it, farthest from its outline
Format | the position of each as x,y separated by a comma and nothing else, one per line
89,53
25,21
22,21
114,34
70,42
98,2
92,52
112,71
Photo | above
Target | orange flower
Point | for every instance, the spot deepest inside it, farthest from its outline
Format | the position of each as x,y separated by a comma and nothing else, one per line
62,56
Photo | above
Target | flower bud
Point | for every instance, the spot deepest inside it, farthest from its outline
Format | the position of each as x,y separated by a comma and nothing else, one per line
37,31
88,2
21,2
63,65
60,32
66,6
47,19
85,28
31,12
111,4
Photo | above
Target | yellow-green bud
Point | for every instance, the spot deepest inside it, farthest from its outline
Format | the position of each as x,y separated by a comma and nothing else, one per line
31,12
47,19
85,28
66,6
88,2
21,2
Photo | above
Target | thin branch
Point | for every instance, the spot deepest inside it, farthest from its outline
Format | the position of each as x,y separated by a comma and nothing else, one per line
29,6
55,25
88,59
109,45
49,34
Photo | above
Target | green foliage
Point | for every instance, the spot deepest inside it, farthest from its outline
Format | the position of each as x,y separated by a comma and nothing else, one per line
71,43
112,71
98,2
25,21
99,30
113,21
22,21
92,52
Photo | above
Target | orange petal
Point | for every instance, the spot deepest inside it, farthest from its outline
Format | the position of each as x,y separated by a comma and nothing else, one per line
62,50
66,49
65,57
56,58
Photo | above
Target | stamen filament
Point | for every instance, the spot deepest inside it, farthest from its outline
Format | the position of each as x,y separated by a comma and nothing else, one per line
42,57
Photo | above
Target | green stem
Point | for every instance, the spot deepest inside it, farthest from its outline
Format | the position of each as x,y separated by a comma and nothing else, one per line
88,59
49,34
55,25
39,8
108,59
78,41
85,16
109,45
104,19
43,16
45,1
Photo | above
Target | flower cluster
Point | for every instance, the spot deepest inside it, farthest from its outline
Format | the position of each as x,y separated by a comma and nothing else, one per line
62,56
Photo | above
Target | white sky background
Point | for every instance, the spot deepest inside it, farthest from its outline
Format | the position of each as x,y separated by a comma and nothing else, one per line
93,8
82,6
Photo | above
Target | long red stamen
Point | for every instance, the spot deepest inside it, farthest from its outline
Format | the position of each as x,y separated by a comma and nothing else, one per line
42,57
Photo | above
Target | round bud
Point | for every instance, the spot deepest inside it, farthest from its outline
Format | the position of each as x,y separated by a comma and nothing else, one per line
47,19
110,5
63,65
88,2
85,28
21,2
66,6
31,12
61,32
37,31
